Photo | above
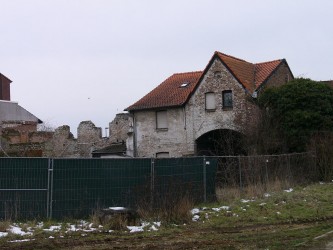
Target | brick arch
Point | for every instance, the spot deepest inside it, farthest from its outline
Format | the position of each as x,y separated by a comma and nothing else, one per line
221,142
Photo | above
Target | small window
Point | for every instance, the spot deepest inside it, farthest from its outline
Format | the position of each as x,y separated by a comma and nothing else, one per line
162,155
184,84
210,101
161,119
227,99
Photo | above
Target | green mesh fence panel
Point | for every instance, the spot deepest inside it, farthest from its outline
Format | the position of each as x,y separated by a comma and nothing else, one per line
82,185
62,188
23,188
178,177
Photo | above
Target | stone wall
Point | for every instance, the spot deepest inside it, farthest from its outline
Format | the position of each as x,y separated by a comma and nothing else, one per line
119,128
60,143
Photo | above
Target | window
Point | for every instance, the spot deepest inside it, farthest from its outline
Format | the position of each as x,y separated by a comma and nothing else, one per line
161,119
162,155
210,101
184,84
227,99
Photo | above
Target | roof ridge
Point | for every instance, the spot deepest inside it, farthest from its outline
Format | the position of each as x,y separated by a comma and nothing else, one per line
270,61
189,72
233,57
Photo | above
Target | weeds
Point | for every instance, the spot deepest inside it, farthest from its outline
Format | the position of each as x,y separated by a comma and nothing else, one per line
4,225
228,194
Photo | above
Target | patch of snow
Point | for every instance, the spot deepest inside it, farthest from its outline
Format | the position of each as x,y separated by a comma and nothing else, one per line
18,230
24,240
217,209
117,208
51,237
196,217
289,190
206,216
89,230
262,204
40,225
3,234
157,223
195,211
267,195
246,201
278,213
153,228
52,228
134,229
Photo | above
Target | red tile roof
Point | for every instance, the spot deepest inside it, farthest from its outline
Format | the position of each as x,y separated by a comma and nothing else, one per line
264,70
170,93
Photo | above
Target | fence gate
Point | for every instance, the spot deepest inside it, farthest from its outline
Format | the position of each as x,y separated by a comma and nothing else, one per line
25,188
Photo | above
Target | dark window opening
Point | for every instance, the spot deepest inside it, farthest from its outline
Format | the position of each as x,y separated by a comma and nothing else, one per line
227,99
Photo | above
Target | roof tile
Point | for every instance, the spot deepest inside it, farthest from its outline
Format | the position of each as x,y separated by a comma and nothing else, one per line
170,92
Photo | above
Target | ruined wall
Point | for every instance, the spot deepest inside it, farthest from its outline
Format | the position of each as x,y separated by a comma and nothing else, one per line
89,138
119,128
17,141
62,144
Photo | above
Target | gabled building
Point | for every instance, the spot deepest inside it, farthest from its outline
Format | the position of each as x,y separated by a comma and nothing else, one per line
191,113
13,115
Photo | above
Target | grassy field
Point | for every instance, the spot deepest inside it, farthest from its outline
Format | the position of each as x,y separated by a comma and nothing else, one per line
294,218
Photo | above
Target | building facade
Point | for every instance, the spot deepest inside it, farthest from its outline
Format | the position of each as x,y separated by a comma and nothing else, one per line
188,111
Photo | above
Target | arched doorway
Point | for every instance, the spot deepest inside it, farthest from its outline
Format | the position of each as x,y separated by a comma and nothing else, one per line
221,142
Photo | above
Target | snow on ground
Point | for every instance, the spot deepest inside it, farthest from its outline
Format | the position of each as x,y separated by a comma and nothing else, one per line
218,209
81,226
18,231
289,190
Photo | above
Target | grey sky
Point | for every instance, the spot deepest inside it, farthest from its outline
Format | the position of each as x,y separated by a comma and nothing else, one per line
75,60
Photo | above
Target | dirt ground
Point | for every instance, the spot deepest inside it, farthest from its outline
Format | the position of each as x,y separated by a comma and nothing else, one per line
297,235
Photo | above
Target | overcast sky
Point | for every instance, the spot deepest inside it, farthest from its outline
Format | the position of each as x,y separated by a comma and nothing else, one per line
77,60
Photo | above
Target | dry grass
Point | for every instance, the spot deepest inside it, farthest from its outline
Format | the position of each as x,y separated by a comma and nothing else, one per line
4,225
170,210
228,194
113,221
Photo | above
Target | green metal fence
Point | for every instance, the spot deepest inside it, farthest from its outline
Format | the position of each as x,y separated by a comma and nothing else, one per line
58,188
24,188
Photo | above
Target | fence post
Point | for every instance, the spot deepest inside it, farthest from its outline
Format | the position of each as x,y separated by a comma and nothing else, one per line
240,175
204,180
152,182
49,189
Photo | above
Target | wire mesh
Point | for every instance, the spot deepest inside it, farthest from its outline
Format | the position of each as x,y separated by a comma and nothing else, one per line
83,185
242,171
23,188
